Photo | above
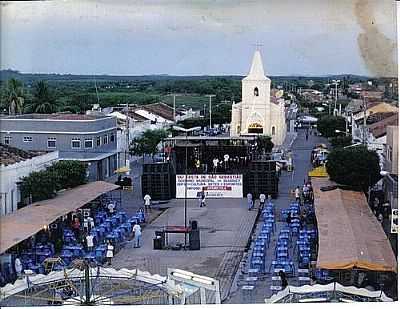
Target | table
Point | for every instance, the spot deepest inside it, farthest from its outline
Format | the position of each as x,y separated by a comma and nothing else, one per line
175,229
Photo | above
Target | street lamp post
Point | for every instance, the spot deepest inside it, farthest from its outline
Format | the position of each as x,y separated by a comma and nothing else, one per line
186,131
210,96
336,82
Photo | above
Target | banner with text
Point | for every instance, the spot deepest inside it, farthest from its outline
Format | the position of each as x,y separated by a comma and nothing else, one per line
215,186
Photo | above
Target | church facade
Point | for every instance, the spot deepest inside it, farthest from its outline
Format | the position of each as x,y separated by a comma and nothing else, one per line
260,112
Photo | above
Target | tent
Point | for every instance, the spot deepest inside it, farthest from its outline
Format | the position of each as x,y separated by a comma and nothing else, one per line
29,220
350,236
319,171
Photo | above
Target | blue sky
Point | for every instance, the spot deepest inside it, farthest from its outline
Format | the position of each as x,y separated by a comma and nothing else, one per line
191,37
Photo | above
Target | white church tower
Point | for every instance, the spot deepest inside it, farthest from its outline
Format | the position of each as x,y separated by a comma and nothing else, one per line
258,113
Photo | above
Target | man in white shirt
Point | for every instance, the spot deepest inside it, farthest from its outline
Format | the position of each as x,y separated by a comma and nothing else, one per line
138,235
215,165
297,194
111,208
262,200
147,201
249,201
226,159
89,242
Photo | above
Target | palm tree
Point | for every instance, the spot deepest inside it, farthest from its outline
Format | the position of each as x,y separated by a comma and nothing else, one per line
43,101
14,96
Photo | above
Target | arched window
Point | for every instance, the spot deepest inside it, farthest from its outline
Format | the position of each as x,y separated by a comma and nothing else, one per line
256,92
273,130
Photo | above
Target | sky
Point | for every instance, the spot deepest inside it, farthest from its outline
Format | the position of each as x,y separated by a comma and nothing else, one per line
203,37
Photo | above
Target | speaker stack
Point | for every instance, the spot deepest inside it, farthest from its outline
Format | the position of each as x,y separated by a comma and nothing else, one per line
261,178
157,181
194,236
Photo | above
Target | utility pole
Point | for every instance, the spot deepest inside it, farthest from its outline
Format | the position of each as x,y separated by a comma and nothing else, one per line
210,96
127,134
365,122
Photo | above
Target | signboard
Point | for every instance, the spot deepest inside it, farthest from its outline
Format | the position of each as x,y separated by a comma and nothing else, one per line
215,186
394,227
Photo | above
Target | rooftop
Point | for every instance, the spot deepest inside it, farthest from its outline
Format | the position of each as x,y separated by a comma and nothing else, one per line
56,116
10,155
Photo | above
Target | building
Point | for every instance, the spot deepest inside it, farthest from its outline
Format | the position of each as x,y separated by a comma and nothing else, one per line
15,164
258,112
87,138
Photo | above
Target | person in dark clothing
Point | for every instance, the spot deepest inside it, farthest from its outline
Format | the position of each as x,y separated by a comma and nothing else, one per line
284,282
289,218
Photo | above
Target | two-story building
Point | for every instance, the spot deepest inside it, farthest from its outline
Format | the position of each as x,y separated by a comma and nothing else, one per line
87,138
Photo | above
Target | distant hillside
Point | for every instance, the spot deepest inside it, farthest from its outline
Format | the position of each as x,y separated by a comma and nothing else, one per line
32,77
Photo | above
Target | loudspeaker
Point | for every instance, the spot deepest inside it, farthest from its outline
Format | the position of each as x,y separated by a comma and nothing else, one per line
157,244
193,225
194,240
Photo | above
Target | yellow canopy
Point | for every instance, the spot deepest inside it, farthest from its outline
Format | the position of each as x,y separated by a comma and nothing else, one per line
319,171
122,170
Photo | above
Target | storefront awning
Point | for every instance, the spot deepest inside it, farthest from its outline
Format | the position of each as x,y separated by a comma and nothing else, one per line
319,171
29,220
350,236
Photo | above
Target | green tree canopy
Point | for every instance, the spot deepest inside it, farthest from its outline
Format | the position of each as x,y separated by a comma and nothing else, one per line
264,143
147,143
357,167
328,124
43,101
44,184
13,96
341,141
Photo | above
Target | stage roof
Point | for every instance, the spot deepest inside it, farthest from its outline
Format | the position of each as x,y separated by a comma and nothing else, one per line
350,236
29,220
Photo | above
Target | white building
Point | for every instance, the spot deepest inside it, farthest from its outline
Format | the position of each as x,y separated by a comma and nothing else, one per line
13,168
259,113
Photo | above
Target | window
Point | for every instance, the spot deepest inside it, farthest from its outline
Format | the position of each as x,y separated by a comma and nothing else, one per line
105,139
7,140
256,92
98,141
51,142
88,143
273,130
76,143
112,138
27,139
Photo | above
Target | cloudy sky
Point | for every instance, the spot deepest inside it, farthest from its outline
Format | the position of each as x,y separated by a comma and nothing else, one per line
199,37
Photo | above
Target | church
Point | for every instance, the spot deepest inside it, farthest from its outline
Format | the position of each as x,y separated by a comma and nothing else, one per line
260,112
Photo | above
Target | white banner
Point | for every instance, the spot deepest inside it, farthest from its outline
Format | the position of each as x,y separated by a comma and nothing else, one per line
215,186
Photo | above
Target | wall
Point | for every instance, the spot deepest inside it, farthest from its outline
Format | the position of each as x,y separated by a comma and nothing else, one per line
11,174
393,142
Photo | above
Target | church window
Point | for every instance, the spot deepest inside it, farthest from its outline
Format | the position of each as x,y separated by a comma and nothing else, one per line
273,130
256,92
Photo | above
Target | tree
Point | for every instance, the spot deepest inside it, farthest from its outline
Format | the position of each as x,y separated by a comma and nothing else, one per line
44,101
44,184
68,173
328,124
264,143
341,141
356,167
14,96
148,142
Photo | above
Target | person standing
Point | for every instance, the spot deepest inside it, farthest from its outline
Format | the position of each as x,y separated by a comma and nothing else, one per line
297,194
215,165
147,202
18,267
262,200
89,242
278,169
137,230
284,282
249,201
226,160
110,252
111,208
